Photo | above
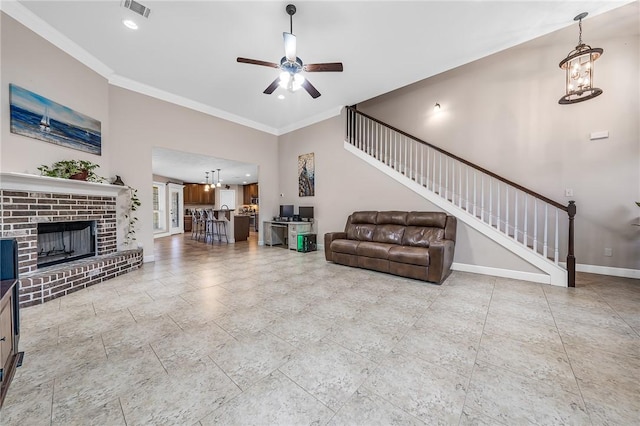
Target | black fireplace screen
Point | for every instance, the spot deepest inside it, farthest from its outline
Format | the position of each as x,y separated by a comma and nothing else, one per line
60,242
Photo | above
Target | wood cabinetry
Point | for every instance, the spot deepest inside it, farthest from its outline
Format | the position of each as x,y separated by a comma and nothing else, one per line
250,192
10,358
194,193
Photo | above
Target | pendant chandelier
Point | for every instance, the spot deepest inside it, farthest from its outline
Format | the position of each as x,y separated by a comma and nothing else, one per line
213,175
206,185
578,66
219,185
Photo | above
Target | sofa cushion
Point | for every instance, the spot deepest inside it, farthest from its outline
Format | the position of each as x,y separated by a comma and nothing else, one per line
344,246
361,231
371,249
419,236
393,217
364,217
411,255
435,219
390,234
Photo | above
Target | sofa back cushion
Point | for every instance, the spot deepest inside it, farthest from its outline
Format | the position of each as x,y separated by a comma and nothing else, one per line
421,236
392,217
361,231
388,233
432,219
360,226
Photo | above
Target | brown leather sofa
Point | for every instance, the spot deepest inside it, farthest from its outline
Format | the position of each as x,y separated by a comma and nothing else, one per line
417,245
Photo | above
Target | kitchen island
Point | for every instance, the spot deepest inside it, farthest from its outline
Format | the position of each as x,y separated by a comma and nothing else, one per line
241,227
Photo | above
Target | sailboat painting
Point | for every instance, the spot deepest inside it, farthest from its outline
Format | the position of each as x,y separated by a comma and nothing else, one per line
37,117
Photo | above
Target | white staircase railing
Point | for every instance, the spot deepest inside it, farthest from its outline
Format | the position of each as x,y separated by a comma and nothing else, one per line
527,218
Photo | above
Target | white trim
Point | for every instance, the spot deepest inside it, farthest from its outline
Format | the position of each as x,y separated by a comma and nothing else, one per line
499,272
333,112
161,234
148,259
607,270
557,275
35,183
135,86
53,36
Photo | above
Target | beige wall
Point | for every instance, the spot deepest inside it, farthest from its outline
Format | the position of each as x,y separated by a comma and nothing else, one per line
36,65
501,112
132,124
345,184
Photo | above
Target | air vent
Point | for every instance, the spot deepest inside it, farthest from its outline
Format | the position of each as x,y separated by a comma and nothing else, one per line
137,7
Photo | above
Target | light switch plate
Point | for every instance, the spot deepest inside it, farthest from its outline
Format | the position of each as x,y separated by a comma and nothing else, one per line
568,192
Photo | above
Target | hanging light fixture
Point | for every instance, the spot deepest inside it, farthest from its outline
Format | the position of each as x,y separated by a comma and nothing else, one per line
219,185
578,66
206,185
213,185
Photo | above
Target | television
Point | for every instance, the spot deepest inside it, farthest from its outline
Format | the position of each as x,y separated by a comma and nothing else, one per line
286,210
305,213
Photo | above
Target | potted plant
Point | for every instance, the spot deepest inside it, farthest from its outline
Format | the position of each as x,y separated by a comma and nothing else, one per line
72,169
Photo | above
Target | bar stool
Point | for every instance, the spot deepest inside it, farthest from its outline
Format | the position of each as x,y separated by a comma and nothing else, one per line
201,225
209,231
194,225
221,227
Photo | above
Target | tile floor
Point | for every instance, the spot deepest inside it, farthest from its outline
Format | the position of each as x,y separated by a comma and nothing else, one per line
241,334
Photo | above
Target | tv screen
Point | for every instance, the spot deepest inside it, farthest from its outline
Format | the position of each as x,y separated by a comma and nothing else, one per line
286,210
305,212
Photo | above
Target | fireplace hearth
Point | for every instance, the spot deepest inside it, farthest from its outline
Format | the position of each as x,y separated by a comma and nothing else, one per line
61,242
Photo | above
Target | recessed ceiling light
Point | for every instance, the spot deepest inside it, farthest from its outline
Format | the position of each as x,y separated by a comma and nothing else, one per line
280,97
245,182
130,24
248,174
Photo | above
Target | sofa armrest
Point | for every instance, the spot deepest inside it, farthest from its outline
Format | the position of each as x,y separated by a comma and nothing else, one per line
440,260
328,237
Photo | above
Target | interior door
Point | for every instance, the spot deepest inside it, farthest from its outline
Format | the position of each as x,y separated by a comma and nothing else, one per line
176,209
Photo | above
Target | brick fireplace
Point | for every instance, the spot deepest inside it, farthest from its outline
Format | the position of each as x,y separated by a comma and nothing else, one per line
31,200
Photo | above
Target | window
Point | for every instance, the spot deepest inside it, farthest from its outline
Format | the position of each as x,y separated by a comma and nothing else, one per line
159,207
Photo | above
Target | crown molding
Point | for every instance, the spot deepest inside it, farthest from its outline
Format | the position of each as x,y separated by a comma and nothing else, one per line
30,20
333,112
53,36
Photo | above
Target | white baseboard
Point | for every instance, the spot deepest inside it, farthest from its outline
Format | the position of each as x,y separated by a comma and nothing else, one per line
148,259
504,273
607,270
161,234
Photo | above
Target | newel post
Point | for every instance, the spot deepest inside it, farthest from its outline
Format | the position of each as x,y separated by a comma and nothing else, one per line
571,258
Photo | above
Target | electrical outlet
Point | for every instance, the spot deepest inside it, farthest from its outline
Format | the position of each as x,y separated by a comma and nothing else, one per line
568,192
608,252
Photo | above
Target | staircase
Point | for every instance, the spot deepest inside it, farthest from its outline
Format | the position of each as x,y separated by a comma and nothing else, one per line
524,222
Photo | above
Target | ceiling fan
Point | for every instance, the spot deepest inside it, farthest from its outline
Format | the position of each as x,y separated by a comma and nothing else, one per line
291,65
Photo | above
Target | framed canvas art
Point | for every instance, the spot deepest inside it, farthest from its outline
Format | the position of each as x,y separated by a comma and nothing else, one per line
306,175
40,118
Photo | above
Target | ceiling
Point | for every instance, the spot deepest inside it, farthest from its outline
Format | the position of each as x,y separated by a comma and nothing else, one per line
186,51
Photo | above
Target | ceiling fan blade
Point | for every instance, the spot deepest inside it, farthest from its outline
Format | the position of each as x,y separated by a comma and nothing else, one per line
289,46
329,66
310,89
257,62
269,90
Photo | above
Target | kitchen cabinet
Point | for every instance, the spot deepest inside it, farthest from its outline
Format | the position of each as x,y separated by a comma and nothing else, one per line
241,227
249,192
194,193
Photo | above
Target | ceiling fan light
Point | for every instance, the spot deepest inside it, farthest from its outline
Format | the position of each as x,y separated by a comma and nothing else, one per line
284,79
